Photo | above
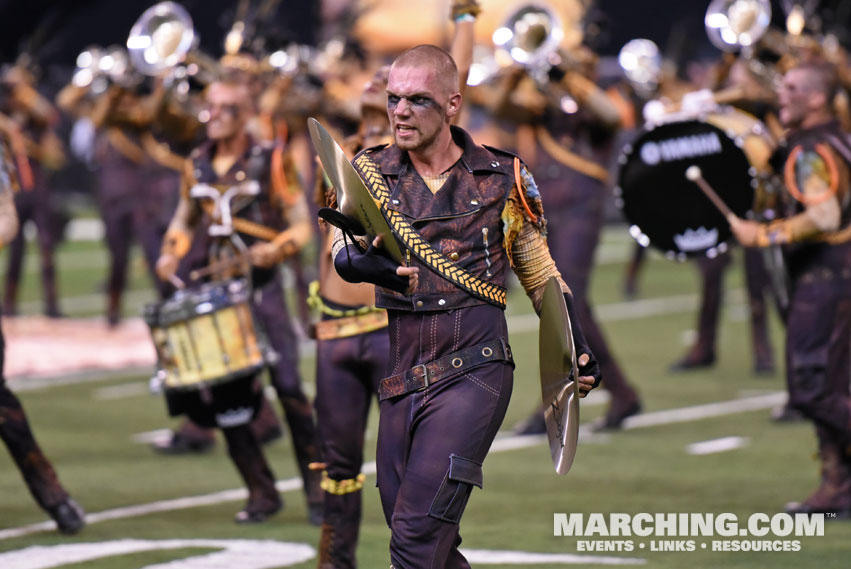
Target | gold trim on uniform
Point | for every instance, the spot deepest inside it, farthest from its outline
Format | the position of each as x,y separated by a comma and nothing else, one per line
340,487
423,250
348,326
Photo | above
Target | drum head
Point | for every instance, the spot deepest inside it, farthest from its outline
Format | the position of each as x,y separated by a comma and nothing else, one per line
668,211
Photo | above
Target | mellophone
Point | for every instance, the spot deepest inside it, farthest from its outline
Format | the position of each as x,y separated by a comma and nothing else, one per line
209,352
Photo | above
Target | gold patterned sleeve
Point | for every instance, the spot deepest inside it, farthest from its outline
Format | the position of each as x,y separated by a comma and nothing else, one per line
526,242
339,242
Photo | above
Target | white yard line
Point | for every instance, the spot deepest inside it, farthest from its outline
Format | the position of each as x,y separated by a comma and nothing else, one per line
488,557
717,445
502,444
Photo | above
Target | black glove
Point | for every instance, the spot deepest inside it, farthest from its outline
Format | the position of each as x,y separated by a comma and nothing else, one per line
592,368
372,266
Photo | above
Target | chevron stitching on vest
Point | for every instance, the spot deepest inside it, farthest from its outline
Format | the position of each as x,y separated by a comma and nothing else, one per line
377,187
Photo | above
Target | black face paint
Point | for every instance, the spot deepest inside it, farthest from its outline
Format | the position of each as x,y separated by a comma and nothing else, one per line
416,101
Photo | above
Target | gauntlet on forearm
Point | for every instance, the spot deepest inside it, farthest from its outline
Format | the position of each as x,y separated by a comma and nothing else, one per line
462,8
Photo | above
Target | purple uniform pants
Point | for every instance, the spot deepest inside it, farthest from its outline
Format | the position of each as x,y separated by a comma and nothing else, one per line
818,359
270,311
347,374
18,437
432,443
35,205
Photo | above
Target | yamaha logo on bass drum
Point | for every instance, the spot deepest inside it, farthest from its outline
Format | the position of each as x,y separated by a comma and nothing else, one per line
653,153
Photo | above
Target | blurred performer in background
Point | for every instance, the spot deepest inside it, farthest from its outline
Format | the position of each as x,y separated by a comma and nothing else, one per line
176,121
139,178
569,124
15,431
275,226
742,89
30,120
352,348
816,236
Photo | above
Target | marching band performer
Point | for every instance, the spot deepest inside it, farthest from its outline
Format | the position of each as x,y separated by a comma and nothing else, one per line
570,150
351,357
38,472
451,365
352,340
275,226
816,237
29,120
745,91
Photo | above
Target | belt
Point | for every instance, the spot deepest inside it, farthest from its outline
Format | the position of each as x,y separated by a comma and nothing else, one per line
348,326
421,376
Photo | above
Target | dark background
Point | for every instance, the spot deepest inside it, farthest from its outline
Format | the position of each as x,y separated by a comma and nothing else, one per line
62,28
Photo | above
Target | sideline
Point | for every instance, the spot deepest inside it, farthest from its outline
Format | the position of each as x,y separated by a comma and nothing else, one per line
501,444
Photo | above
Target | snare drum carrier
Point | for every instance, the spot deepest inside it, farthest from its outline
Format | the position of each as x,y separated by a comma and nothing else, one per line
209,351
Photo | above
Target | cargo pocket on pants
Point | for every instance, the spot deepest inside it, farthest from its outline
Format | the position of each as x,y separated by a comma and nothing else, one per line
451,498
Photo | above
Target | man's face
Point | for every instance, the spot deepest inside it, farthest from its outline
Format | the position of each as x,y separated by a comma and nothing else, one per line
228,107
418,106
796,98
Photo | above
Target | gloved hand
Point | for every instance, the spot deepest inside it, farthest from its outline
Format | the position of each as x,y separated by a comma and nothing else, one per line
589,369
374,266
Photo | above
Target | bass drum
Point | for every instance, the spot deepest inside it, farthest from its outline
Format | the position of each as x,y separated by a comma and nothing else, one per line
671,213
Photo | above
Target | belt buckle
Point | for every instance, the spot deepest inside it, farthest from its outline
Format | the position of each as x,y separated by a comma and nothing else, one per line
420,371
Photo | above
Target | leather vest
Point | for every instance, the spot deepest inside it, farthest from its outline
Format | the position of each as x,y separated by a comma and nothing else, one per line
255,164
809,256
462,220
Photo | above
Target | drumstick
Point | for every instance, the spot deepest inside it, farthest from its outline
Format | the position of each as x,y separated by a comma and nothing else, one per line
177,282
694,174
216,266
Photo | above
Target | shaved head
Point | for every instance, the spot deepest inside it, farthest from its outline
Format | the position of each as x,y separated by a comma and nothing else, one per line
822,78
422,98
806,95
433,58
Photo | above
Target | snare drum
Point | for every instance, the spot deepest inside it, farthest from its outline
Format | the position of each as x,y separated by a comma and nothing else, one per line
209,353
205,335
732,149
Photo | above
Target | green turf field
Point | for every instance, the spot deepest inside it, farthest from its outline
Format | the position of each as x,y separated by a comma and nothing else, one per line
88,433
